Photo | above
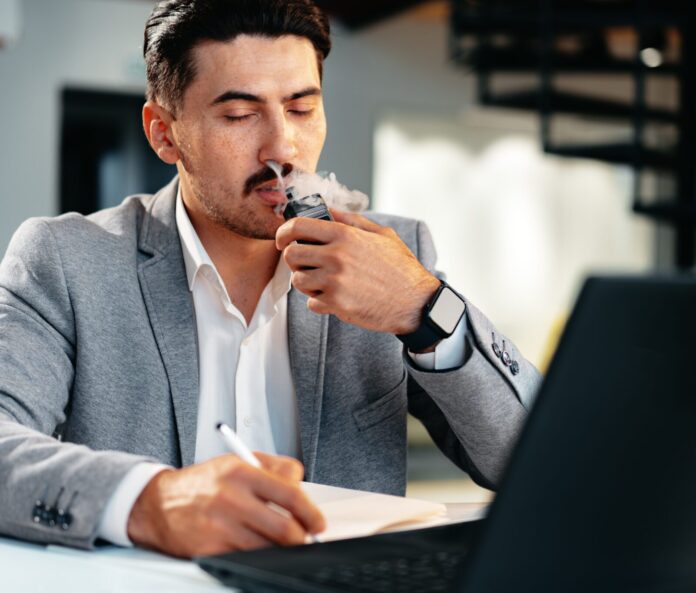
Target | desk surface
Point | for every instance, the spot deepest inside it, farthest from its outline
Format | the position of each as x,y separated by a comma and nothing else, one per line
32,568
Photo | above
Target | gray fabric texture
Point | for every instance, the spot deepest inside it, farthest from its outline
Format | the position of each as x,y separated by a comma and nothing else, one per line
99,371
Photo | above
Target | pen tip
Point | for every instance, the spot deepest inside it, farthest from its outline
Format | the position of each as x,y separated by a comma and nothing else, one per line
218,425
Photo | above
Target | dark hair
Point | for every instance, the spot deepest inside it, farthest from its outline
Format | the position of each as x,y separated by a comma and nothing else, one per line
176,26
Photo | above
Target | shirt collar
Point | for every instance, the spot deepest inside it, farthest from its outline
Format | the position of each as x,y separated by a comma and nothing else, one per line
196,257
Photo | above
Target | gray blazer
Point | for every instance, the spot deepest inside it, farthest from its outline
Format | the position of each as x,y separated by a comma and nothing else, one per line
99,371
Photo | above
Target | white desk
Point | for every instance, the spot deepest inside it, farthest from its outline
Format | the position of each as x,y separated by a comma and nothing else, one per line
31,568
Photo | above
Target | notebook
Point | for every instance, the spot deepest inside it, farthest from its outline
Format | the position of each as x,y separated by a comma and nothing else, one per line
355,513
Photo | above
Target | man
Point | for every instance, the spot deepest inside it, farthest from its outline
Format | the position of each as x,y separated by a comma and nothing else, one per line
126,335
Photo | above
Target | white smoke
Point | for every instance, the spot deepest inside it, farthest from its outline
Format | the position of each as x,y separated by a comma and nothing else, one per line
335,194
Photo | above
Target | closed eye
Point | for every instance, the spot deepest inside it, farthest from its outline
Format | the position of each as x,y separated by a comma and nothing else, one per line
238,117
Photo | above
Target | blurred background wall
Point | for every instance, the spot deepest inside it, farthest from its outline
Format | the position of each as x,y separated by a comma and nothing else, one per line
93,44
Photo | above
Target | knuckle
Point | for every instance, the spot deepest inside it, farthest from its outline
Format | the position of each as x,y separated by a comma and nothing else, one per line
237,471
289,533
291,225
346,305
293,255
231,504
299,279
335,261
285,531
340,231
296,466
295,498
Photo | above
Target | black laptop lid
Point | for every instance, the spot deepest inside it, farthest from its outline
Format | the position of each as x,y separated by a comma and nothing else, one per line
601,492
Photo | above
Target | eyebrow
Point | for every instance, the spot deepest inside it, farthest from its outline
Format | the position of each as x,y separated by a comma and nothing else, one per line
242,96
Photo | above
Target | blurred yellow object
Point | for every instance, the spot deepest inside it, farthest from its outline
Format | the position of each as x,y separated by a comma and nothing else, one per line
552,340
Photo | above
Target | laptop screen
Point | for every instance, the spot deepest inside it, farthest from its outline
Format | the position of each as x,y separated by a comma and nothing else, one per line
601,491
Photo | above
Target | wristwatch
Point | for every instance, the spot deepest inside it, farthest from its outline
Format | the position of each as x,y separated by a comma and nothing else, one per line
440,318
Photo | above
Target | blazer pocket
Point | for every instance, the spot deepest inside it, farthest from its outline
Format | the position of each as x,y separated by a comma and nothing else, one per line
383,407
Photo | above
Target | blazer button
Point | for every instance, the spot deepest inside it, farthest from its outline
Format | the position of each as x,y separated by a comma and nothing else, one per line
64,520
496,349
514,367
505,358
37,513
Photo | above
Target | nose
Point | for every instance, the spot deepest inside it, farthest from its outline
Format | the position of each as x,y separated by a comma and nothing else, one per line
279,141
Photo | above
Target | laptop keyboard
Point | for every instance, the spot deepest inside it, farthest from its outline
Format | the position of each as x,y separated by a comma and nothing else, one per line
431,572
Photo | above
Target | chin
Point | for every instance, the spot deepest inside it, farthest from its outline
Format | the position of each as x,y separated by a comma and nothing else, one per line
260,228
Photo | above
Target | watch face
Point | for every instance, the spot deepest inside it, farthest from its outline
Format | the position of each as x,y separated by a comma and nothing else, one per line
447,311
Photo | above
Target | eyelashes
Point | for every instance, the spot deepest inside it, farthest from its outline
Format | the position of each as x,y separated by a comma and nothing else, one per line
235,118
296,112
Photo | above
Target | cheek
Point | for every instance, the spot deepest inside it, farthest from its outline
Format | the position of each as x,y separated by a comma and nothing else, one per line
224,151
313,139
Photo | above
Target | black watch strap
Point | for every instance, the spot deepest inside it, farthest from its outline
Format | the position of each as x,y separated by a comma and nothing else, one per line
428,333
424,337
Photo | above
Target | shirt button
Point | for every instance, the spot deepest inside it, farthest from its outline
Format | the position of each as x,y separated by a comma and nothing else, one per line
247,421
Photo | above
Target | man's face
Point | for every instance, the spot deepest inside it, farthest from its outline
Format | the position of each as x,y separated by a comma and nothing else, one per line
253,99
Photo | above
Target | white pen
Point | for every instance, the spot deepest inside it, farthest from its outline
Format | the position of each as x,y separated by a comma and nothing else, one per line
237,446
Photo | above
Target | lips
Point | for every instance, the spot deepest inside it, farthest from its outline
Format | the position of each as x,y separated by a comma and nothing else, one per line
270,186
271,195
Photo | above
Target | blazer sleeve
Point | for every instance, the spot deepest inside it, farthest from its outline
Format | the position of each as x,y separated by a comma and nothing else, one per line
39,474
474,413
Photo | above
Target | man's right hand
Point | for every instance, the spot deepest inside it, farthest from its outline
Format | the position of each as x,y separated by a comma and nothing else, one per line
221,505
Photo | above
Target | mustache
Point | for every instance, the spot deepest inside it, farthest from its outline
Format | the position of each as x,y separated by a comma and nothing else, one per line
262,176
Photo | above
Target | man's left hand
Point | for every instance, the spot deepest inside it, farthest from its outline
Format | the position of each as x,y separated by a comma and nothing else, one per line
357,270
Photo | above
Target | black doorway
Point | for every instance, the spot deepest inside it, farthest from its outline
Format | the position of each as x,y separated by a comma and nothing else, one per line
104,155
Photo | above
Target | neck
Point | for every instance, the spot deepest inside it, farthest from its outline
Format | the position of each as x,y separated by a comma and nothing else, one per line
245,265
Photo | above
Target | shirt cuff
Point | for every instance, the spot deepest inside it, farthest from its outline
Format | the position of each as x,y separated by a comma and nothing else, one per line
448,354
113,525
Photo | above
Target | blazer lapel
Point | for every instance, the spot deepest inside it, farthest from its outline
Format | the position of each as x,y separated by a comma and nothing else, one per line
170,308
307,344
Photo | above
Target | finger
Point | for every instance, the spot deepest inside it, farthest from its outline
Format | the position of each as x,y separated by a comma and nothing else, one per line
291,498
299,256
316,305
275,525
357,220
248,539
302,228
243,506
282,466
309,282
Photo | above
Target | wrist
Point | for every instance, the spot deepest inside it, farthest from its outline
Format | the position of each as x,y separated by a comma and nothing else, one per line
143,521
421,295
440,317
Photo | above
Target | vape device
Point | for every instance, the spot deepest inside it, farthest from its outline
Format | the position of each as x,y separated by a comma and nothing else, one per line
312,206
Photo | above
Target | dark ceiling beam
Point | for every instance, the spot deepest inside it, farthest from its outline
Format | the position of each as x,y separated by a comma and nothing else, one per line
356,15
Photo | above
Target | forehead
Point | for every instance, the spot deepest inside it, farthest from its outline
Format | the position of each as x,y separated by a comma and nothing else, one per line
263,66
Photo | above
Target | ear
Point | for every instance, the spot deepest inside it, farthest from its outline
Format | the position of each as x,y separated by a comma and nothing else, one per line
157,123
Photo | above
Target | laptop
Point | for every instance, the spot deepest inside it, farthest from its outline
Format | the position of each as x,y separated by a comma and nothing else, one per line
599,494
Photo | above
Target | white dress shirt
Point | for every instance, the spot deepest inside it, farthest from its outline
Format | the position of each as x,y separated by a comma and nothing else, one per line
244,373
244,370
